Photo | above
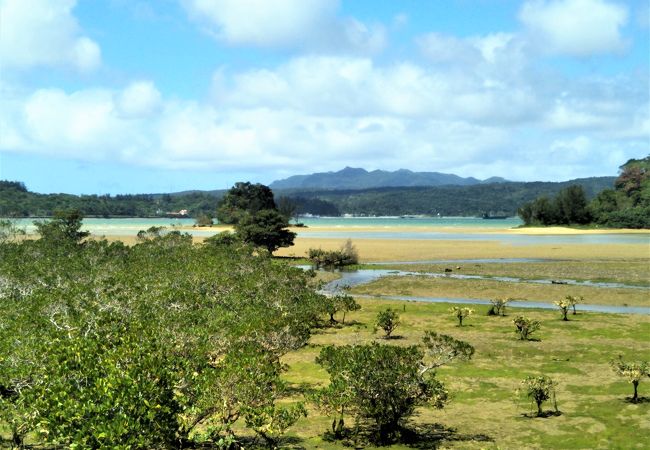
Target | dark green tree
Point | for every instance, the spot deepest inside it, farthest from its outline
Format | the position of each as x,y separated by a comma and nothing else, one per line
266,228
244,199
572,205
64,227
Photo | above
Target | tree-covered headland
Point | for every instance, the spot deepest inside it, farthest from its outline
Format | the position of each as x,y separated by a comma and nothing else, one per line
625,206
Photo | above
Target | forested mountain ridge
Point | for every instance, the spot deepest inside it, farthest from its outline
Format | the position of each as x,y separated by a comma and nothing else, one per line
475,200
355,178
497,198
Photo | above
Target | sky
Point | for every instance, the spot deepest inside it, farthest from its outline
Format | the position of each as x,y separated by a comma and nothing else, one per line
144,96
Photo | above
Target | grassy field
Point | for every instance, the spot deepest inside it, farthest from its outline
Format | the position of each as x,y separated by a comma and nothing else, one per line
371,250
420,286
484,411
632,271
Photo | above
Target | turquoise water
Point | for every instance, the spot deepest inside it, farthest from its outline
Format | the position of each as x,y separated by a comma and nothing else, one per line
423,228
416,222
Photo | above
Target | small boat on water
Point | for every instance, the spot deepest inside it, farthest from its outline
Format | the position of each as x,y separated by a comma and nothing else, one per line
490,216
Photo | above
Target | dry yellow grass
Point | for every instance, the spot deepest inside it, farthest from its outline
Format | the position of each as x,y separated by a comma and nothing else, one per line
414,250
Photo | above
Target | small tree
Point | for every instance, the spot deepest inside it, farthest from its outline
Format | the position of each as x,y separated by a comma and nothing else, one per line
573,301
539,388
340,302
388,320
203,220
499,306
64,228
564,306
633,371
378,383
525,327
461,313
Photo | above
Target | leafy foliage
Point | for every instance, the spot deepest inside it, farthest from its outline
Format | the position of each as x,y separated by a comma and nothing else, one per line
498,307
149,346
386,395
388,320
266,228
340,302
64,227
347,255
569,206
564,306
525,327
244,200
633,371
461,313
539,388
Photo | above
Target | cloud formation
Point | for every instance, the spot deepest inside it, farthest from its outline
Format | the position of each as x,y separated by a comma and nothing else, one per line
292,24
44,33
575,27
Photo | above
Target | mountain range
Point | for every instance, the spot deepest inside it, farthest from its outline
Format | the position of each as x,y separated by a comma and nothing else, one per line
356,178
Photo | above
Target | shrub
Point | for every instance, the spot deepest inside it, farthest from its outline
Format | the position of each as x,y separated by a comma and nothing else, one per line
347,255
381,384
498,306
539,388
388,320
525,327
461,313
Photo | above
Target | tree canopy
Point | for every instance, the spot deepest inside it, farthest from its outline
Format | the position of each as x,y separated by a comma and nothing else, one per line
244,199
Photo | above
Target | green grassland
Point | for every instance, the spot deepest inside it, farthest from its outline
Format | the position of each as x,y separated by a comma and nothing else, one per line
484,411
633,271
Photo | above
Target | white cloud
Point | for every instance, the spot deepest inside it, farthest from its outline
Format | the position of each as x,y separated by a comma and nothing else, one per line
291,24
44,33
328,112
139,99
575,27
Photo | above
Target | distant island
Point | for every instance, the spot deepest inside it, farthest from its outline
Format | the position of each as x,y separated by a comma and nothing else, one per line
445,195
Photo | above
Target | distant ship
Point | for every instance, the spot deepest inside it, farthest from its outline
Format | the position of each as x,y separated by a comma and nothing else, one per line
489,216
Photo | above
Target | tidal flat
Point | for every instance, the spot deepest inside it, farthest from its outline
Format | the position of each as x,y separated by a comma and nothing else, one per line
486,410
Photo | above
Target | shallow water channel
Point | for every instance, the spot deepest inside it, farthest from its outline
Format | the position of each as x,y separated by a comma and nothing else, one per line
354,278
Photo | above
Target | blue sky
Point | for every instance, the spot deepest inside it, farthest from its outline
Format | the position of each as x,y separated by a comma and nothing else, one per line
129,96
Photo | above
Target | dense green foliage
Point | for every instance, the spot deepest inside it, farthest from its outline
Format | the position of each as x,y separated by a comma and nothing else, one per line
382,384
17,201
266,228
347,255
150,346
568,207
626,206
244,199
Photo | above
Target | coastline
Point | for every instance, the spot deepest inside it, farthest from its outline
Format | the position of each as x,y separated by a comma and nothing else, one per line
532,231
